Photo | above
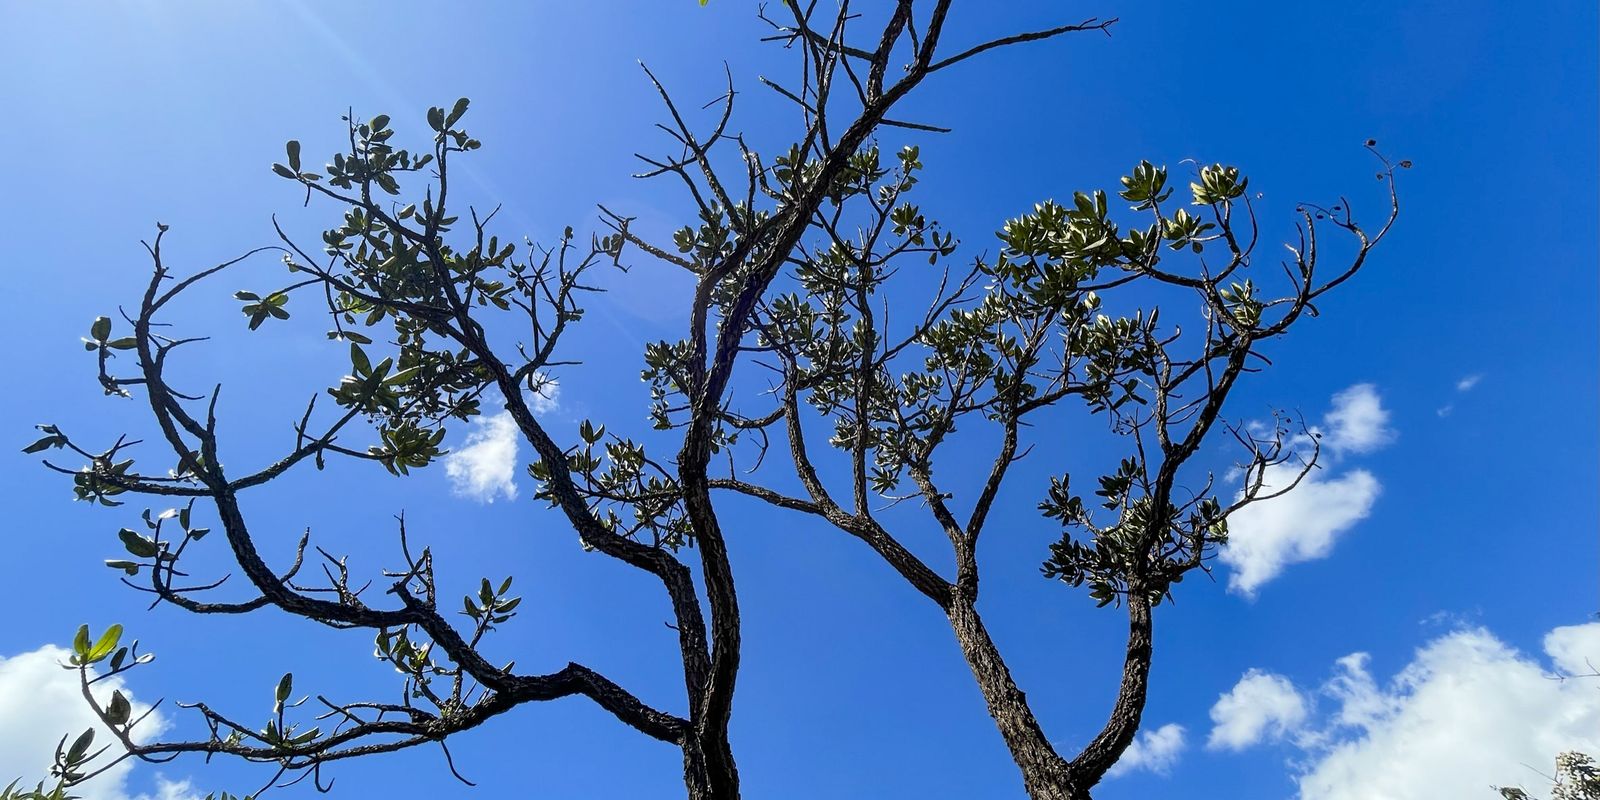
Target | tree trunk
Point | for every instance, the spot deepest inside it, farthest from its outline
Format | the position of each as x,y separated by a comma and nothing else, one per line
1045,774
708,769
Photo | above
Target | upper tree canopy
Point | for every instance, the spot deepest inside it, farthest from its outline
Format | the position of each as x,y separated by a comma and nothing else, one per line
1139,305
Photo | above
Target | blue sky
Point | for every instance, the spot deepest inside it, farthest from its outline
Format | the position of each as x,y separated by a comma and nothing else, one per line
1467,349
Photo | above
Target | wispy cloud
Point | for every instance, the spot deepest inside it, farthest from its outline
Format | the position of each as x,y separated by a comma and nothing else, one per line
1462,386
1302,525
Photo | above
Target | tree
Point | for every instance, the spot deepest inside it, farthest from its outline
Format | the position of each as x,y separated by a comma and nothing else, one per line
790,254
1576,778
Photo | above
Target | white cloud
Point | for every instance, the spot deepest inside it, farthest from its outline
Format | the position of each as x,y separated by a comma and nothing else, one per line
483,467
1303,524
40,702
1360,701
1260,706
1575,649
1464,385
1155,751
172,790
1358,422
1269,535
1468,712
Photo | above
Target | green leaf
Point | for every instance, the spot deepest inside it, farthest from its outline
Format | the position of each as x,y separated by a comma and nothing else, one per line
285,686
293,148
350,336
436,118
100,329
402,376
137,545
106,643
46,443
283,170
80,747
359,360
129,567
80,642
456,112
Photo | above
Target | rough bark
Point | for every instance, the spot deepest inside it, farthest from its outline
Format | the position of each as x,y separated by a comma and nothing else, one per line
1045,774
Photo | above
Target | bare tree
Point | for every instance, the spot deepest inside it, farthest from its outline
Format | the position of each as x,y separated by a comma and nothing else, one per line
790,255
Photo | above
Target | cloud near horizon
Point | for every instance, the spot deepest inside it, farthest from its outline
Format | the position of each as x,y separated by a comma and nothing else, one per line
1468,712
